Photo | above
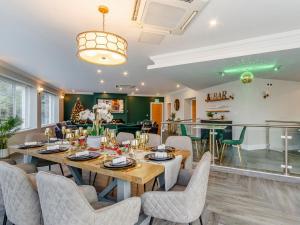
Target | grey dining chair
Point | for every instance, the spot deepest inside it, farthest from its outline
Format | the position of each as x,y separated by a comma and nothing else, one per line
27,168
185,202
20,199
63,204
184,143
154,140
124,136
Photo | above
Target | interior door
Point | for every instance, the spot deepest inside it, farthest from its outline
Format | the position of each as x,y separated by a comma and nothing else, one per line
157,114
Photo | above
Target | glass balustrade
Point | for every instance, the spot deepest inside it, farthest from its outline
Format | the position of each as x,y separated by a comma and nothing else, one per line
269,148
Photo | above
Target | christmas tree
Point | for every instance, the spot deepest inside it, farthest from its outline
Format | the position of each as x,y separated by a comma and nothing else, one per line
77,108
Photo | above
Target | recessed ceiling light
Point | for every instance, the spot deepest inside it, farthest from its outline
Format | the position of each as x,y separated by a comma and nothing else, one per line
120,89
213,23
99,71
104,92
125,73
101,81
277,68
157,94
136,89
143,83
178,85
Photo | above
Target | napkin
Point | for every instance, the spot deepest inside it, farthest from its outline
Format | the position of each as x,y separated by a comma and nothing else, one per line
119,160
31,143
160,147
52,147
161,155
84,153
126,142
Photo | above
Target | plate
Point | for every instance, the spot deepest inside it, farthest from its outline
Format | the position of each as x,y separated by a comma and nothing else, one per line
92,155
166,149
46,151
130,163
23,146
152,157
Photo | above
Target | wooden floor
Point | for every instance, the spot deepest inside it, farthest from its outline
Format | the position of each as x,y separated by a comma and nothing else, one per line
240,200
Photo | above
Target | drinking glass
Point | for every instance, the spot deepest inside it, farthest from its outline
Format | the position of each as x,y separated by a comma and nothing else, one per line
48,133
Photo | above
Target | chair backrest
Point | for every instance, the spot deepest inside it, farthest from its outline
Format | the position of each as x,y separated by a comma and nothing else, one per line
20,199
184,143
242,135
196,190
154,140
124,136
61,201
35,137
183,130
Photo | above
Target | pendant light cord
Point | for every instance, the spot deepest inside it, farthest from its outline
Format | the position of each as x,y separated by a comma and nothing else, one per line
103,21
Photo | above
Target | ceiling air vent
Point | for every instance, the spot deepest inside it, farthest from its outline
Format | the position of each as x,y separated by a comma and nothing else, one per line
166,16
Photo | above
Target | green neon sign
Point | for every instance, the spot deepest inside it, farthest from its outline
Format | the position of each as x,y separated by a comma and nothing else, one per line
242,69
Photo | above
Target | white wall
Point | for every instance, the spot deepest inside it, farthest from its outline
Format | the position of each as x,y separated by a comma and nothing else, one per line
249,106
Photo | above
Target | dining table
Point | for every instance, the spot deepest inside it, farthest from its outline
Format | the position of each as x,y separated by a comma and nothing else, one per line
142,173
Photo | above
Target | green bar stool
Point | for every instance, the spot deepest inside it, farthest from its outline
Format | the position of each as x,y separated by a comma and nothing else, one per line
234,143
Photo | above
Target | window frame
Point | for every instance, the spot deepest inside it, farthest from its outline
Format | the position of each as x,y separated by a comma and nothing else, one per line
53,108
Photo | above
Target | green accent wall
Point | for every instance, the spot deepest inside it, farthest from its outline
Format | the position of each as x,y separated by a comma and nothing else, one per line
136,108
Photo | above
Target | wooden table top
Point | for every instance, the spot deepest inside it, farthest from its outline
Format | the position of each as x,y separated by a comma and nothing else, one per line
140,174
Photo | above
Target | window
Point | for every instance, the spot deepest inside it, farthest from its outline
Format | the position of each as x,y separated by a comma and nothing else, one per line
49,105
15,99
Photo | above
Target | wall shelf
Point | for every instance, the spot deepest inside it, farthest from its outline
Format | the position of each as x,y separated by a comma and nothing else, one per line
218,110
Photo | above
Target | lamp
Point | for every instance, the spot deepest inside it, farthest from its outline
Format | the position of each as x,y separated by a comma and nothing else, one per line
101,47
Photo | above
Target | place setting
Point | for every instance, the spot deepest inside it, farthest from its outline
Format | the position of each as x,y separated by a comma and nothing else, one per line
83,156
31,144
119,163
54,149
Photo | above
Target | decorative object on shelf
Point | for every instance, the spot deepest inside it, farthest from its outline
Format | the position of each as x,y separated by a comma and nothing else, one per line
267,93
77,108
210,115
8,128
247,77
218,96
176,104
101,47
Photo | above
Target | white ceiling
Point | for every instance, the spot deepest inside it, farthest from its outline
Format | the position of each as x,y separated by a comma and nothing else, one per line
38,36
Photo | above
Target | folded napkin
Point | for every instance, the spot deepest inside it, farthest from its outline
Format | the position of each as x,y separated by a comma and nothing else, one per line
31,143
126,142
161,155
119,160
52,147
84,153
160,147
53,139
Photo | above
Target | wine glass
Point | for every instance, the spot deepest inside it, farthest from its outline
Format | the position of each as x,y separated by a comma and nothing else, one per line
48,133
63,131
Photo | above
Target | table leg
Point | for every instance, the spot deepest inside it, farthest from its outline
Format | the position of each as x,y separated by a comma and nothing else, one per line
109,188
77,174
30,159
123,189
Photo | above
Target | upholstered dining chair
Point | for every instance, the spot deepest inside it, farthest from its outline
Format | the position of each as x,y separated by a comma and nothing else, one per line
185,202
184,143
154,140
20,199
124,136
40,137
63,204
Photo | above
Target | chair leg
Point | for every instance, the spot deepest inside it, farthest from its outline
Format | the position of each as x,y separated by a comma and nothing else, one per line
217,145
222,152
94,181
239,152
61,170
200,219
49,167
154,183
196,145
5,219
151,221
90,177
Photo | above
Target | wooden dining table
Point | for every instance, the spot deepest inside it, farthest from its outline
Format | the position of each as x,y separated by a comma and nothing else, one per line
140,174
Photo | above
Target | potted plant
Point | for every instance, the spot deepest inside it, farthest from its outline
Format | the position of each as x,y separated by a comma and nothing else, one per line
8,128
210,115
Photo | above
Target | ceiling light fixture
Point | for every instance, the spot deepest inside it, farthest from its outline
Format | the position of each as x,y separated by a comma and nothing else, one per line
213,23
101,81
125,73
99,71
136,89
143,83
247,77
178,86
242,69
101,47
104,92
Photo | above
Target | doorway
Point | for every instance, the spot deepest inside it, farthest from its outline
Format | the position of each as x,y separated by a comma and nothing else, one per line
156,113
